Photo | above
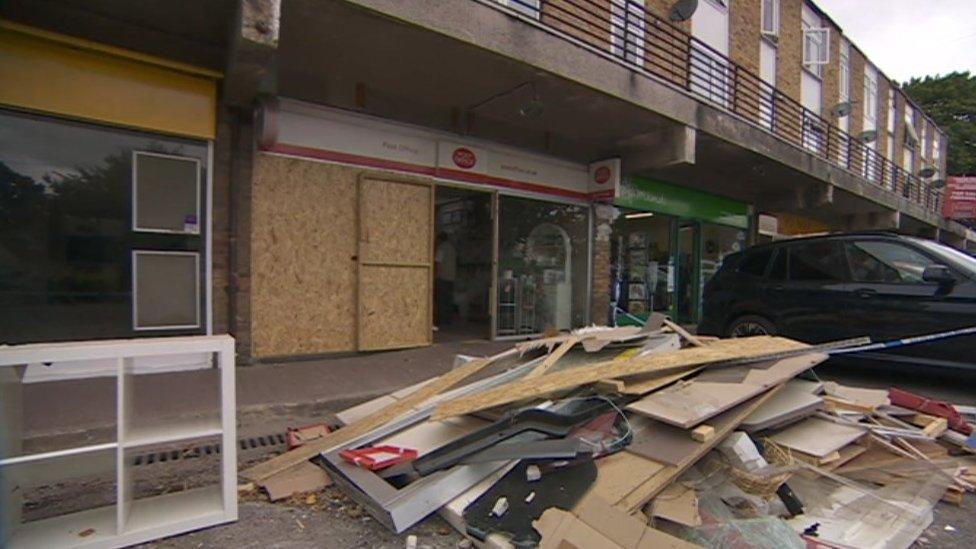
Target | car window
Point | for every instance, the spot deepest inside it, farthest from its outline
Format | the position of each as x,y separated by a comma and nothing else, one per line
817,262
779,268
886,262
756,262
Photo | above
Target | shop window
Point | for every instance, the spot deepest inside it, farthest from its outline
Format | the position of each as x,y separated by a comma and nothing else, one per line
642,273
543,251
718,241
66,227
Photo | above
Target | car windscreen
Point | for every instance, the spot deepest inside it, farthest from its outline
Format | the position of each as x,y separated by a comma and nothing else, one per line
952,256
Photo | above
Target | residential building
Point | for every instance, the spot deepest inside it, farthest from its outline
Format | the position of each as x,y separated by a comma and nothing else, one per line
366,170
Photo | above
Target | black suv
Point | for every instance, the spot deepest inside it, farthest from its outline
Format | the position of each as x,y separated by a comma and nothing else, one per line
817,289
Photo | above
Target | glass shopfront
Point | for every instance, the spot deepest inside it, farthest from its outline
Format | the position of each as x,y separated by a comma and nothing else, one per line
667,242
543,258
102,231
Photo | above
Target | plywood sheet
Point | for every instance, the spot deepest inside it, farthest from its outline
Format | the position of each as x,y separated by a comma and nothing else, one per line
395,219
395,307
817,437
303,244
792,403
664,363
395,264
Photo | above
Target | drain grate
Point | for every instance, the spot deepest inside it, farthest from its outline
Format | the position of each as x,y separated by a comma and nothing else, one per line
263,443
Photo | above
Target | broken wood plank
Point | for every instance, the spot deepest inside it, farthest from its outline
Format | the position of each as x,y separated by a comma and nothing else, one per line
750,348
289,459
836,403
550,360
652,486
304,477
642,385
684,333
703,433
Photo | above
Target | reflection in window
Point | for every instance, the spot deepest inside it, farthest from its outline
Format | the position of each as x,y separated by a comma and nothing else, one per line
542,266
641,270
817,262
881,262
65,227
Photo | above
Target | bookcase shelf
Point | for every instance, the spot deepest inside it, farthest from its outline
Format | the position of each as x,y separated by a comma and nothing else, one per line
129,519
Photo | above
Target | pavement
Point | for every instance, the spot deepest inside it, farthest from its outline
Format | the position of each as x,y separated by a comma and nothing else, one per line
87,408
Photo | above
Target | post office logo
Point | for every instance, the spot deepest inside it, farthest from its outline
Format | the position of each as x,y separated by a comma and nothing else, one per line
464,158
601,176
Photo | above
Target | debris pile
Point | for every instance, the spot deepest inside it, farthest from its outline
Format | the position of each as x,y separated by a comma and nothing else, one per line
645,437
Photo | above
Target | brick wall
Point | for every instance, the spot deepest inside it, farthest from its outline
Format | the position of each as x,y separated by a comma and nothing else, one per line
220,234
857,106
600,283
744,37
883,86
789,61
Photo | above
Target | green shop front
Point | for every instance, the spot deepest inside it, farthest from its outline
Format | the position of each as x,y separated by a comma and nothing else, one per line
666,242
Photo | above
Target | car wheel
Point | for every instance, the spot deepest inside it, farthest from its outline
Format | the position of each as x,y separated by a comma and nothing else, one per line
751,325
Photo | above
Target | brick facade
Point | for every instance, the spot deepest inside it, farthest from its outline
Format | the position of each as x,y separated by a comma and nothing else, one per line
789,60
587,21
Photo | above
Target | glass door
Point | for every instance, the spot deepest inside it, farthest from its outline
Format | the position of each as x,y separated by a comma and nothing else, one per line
687,286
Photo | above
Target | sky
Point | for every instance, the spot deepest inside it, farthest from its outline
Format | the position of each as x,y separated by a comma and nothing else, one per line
906,38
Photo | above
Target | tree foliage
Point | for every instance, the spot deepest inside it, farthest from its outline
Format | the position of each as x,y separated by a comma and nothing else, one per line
950,101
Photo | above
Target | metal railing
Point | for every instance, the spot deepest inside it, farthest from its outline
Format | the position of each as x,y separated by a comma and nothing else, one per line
646,43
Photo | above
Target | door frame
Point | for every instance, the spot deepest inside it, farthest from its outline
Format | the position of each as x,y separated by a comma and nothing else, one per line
695,271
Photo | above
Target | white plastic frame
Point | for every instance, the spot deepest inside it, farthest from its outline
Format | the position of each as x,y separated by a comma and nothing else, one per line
135,297
135,190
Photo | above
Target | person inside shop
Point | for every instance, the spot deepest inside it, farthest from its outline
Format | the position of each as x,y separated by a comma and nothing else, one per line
445,272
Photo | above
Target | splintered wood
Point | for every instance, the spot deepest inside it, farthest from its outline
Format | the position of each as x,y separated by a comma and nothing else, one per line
280,463
665,363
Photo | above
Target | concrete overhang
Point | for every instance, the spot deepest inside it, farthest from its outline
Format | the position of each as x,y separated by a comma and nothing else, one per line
468,67
196,33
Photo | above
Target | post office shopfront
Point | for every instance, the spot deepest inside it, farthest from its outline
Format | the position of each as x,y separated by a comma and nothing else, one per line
368,234
666,243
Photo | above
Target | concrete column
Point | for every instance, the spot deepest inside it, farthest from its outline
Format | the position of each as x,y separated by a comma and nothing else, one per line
251,67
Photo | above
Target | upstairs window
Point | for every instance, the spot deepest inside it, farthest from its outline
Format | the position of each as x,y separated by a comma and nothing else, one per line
816,48
770,19
870,98
891,112
845,74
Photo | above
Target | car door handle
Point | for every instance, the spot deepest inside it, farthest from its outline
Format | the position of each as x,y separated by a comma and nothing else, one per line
866,293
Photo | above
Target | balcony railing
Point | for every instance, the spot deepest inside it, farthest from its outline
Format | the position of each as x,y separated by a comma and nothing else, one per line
634,37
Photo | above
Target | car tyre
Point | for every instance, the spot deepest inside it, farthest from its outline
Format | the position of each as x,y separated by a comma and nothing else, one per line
751,325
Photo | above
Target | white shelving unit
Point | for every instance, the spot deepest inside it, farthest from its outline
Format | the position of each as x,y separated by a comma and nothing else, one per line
129,520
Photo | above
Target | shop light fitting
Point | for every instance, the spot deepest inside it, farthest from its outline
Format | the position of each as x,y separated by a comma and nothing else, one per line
638,215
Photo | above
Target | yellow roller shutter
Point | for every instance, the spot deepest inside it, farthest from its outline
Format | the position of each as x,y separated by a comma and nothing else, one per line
48,72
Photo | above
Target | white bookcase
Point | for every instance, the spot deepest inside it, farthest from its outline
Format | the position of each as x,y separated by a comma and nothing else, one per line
129,520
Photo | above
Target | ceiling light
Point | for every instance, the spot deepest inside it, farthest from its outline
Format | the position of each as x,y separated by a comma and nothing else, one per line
638,215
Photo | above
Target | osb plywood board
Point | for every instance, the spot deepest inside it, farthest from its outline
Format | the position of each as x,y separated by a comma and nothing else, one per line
303,275
395,223
394,307
663,363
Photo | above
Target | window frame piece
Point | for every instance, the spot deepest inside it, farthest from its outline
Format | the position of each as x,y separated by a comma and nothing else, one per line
134,186
824,49
135,295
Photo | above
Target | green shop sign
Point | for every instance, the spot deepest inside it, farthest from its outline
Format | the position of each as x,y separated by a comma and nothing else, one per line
646,194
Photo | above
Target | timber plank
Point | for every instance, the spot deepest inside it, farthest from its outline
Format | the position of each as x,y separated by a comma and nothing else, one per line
550,360
665,363
280,463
